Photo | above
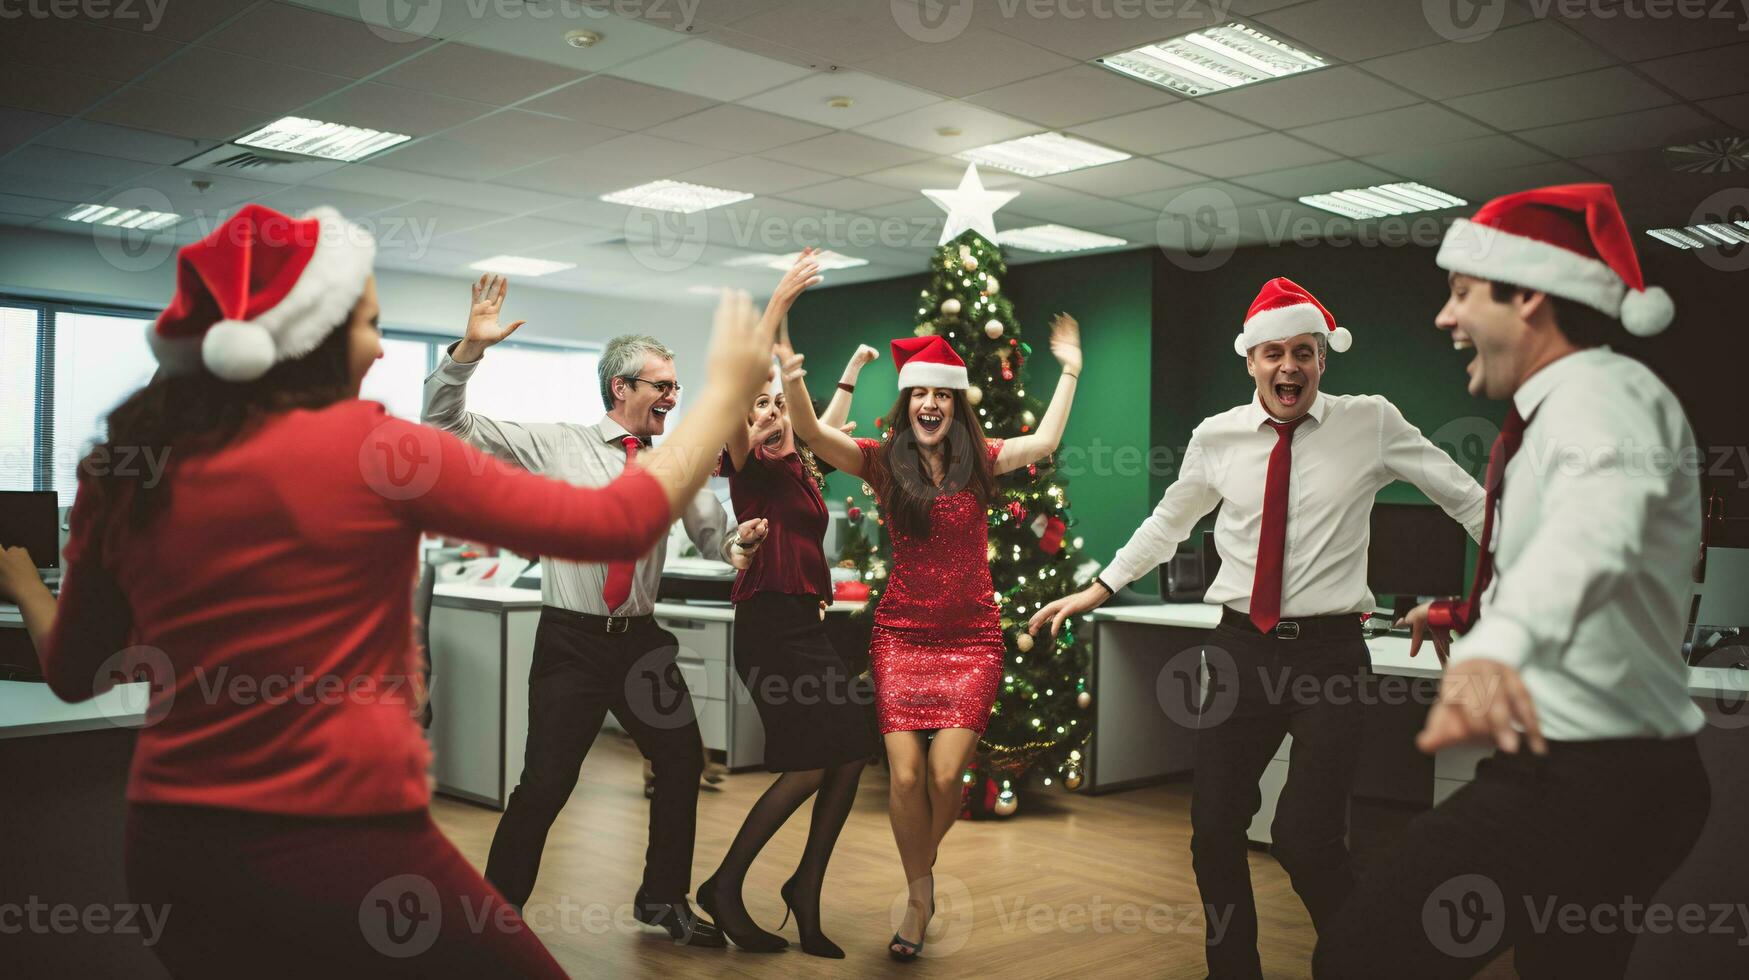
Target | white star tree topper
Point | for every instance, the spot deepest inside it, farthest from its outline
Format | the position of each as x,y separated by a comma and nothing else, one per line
969,206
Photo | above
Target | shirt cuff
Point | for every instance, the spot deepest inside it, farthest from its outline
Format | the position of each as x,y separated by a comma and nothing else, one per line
451,371
1496,639
1114,577
1442,614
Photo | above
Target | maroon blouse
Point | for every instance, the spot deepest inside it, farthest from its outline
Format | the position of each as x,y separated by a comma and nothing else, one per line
791,560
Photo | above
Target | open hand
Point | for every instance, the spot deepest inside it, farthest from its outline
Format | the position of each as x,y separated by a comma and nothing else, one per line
1058,610
1416,620
804,273
740,351
1066,342
1482,701
17,573
484,327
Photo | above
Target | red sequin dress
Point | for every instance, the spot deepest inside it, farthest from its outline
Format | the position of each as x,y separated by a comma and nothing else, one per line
936,648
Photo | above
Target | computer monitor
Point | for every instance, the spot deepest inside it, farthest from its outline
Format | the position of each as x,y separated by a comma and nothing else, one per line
1416,550
31,519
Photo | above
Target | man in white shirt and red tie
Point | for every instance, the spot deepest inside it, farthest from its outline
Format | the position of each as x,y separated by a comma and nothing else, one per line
1570,659
1295,472
598,648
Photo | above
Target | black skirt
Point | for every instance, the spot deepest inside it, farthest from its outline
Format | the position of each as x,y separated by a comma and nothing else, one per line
814,709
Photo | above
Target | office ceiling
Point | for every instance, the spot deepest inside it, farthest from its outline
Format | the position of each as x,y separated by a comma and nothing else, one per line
516,134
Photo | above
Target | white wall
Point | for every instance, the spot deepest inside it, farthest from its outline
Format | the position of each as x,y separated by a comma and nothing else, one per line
73,267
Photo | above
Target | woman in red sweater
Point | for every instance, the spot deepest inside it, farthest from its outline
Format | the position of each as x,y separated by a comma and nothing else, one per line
278,794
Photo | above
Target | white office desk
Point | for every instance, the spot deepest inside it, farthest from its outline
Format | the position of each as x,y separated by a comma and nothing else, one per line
29,708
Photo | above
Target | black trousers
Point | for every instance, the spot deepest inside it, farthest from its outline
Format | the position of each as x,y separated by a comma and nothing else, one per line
1555,857
1261,688
579,674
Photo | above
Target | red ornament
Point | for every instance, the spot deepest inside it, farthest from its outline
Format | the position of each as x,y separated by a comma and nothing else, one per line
1032,469
850,591
881,423
1016,510
855,513
1050,533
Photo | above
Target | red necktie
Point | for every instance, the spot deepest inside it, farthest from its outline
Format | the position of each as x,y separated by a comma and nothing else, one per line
618,587
1266,587
1451,614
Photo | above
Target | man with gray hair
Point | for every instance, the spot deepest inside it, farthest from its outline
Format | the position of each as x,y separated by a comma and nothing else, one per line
598,648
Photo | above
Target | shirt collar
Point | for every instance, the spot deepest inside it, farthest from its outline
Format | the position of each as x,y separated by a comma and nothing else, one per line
611,431
1256,415
1537,387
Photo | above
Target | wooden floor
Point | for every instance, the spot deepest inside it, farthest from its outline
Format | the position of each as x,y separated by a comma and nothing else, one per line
1073,886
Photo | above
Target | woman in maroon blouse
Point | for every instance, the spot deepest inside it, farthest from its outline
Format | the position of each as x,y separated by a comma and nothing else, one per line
279,790
816,733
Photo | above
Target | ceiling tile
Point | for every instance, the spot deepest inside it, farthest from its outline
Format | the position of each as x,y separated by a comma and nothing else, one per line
1085,211
476,74
1584,96
86,49
608,101
301,200
940,173
980,60
771,50
18,126
539,31
291,35
144,109
86,168
1249,155
1352,30
918,127
1169,127
1125,178
510,127
46,90
1509,57
1433,163
614,165
516,236
737,128
1195,196
217,76
1391,129
119,141
431,219
1084,31
1733,110
1315,97
54,189
1073,95
712,70
1318,178
183,20
1628,131
396,110
220,191
1703,74
465,161
846,154
35,207
842,31
871,99
1633,36
847,195
754,175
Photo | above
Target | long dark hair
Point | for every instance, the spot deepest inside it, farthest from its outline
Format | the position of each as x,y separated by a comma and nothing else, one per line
175,416
905,488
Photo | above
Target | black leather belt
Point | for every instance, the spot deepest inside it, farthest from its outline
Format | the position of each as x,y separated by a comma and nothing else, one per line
596,624
1342,626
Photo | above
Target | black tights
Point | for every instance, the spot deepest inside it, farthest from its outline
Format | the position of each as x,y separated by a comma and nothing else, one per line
837,791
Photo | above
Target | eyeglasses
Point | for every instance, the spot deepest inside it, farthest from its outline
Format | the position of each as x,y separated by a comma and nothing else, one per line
663,388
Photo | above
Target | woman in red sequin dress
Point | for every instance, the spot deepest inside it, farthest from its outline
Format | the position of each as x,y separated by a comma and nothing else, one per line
937,646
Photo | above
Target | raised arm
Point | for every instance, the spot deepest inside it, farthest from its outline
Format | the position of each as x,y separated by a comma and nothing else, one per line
1041,442
829,444
445,407
838,409
803,273
20,584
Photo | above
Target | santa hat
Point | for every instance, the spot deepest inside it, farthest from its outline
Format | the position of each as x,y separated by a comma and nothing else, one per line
1284,309
1567,241
261,289
928,362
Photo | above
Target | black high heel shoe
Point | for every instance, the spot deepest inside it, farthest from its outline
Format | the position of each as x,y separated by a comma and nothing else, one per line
814,942
757,941
911,949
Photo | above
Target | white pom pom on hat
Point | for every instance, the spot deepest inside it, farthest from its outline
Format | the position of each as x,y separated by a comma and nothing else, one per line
237,350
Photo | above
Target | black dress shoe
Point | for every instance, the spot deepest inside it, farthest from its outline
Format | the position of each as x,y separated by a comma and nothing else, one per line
684,925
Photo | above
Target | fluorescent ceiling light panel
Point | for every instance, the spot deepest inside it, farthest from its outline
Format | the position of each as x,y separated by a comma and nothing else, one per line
517,265
1384,200
314,138
1042,154
1055,238
1213,60
1714,235
110,216
675,195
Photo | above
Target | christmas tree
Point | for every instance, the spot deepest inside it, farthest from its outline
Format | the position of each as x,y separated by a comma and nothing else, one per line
1041,717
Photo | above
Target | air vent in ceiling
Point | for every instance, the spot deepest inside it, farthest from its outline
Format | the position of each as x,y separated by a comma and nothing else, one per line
231,160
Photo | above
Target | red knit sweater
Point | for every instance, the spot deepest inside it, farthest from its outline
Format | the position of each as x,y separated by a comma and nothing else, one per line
276,592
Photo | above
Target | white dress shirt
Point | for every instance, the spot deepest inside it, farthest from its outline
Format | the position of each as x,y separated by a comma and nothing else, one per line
1352,446
585,456
1595,542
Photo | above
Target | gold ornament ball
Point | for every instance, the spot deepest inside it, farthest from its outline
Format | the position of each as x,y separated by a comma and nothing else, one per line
991,286
1028,418
993,329
1072,780
974,394
1084,699
950,307
971,262
1007,804
924,330
1023,642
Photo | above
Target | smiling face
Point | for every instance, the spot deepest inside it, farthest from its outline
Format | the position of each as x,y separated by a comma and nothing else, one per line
1287,374
931,412
642,409
770,423
1500,333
